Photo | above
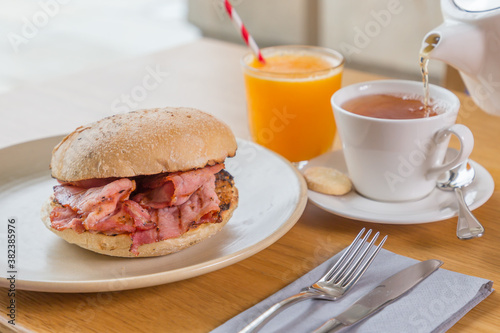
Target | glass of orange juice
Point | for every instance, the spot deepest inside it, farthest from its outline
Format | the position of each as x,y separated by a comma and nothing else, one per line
288,99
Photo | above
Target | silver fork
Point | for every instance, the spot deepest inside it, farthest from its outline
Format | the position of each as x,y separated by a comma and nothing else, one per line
335,283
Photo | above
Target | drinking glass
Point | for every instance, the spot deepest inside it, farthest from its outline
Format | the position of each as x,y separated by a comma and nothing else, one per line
288,99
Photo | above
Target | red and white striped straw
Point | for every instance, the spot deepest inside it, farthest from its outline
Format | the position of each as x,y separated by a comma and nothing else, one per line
244,33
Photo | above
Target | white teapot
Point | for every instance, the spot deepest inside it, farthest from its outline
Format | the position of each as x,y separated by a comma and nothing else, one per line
469,40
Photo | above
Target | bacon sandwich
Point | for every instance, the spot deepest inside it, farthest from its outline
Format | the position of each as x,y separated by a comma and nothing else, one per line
146,183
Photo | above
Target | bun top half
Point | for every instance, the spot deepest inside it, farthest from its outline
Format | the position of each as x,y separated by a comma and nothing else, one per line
143,142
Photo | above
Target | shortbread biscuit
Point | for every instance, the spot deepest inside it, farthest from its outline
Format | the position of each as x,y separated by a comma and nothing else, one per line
327,180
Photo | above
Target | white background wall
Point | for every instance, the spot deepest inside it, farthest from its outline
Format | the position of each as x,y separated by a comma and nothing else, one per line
43,39
384,35
271,22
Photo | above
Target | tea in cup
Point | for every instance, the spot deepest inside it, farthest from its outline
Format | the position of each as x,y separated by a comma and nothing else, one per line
394,145
288,99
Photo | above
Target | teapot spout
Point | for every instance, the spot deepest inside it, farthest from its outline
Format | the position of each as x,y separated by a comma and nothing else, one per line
458,44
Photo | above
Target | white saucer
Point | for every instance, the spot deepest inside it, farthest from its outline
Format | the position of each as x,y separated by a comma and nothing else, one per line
438,205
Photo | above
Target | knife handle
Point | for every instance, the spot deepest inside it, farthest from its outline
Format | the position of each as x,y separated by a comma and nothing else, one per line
261,320
332,325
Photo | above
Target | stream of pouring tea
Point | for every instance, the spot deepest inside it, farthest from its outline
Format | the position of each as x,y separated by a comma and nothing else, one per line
431,42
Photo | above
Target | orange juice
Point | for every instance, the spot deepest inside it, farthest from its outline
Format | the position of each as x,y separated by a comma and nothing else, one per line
288,99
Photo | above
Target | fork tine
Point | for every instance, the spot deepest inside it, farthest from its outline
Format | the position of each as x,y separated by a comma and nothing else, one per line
359,260
367,264
349,260
342,271
341,260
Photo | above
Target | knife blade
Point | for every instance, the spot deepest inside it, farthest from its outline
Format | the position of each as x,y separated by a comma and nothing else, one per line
386,292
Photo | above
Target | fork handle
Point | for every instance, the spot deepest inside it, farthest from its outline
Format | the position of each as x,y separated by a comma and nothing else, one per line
261,320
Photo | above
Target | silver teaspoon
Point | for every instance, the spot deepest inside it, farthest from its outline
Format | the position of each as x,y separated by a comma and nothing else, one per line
468,226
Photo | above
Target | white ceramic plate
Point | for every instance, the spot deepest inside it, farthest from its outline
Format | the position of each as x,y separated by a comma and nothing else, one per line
438,205
272,198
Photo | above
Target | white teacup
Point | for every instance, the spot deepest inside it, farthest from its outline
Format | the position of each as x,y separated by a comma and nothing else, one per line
399,159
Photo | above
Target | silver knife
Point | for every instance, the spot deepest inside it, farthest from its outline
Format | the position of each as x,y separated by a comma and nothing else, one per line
386,292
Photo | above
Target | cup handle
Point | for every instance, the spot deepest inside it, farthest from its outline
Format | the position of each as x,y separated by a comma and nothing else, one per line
466,139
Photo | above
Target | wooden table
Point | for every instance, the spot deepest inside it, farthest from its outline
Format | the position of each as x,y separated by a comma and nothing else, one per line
206,74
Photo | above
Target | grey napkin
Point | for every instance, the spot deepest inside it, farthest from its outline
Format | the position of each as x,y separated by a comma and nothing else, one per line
432,306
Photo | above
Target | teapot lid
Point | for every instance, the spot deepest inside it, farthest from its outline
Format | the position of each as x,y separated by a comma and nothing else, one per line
477,5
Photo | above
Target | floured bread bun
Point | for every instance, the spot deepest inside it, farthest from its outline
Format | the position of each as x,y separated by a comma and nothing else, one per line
143,142
119,245
145,183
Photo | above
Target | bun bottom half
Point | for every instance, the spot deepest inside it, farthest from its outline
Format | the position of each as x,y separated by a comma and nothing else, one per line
119,245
